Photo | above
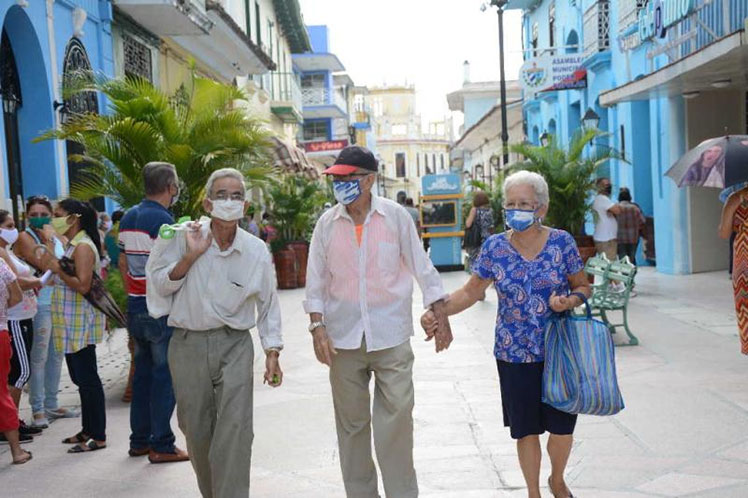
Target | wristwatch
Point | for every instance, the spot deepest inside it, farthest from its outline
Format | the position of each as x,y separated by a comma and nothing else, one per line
315,325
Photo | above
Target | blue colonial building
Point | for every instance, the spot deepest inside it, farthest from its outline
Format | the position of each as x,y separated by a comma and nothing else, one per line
42,42
661,76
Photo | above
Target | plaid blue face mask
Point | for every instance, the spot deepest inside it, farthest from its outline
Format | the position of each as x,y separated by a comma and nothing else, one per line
346,192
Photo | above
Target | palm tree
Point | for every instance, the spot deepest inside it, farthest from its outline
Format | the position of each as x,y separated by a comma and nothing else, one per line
295,204
199,128
570,174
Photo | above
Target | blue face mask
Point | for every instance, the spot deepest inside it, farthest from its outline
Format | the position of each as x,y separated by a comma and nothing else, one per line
346,192
519,219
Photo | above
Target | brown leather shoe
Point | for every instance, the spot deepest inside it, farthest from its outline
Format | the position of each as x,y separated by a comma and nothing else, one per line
139,452
177,456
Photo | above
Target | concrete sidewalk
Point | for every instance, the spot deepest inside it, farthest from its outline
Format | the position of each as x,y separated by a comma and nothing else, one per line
682,432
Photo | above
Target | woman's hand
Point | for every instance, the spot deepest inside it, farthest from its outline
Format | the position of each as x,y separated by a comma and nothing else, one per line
559,304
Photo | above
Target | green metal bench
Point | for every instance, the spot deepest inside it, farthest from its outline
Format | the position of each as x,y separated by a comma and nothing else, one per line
605,298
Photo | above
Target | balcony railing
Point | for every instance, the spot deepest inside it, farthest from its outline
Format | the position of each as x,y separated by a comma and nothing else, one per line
716,19
323,96
596,27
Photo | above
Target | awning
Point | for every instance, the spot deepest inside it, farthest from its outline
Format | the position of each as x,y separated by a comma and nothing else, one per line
292,159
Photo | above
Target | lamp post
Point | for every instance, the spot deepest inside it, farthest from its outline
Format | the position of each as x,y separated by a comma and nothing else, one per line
545,139
479,173
591,120
500,5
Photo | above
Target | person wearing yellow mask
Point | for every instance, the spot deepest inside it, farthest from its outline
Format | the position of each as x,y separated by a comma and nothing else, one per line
76,325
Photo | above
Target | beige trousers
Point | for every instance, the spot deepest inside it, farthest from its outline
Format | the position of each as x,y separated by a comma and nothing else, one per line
212,375
609,248
391,419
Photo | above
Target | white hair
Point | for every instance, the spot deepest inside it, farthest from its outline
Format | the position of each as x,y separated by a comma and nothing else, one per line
224,173
535,180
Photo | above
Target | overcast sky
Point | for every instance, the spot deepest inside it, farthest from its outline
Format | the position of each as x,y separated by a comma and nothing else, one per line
419,41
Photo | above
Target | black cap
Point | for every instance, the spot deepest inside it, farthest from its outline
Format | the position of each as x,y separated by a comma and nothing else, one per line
351,158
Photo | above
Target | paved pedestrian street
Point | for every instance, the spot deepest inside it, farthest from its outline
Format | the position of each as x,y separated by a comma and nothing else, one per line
683,432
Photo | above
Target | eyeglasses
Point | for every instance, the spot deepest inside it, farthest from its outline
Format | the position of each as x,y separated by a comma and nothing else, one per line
222,195
523,206
350,177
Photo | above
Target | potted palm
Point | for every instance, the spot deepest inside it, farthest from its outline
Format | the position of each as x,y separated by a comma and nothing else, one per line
571,176
199,128
295,203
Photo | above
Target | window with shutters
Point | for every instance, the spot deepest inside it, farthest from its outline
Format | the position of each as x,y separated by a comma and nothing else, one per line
137,58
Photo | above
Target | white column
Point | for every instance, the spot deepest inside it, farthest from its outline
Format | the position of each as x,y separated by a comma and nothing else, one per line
62,173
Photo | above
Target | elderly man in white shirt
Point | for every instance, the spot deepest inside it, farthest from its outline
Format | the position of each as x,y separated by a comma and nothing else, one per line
364,254
221,283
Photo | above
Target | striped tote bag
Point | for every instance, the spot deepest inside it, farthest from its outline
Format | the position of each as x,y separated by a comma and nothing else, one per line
580,366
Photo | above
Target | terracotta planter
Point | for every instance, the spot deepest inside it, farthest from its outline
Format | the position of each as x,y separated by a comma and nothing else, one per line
586,246
285,268
301,248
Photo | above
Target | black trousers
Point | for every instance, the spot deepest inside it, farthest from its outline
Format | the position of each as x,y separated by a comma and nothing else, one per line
85,375
625,249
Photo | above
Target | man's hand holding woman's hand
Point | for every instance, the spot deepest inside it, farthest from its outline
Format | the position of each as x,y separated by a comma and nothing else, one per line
435,323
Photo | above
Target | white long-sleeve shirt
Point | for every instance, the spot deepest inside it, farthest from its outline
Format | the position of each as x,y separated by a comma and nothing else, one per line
222,288
367,291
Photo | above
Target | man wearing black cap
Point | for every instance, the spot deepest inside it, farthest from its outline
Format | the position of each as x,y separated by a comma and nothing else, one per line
364,254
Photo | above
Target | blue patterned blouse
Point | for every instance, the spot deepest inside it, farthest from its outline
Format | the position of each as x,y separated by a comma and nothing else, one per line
524,289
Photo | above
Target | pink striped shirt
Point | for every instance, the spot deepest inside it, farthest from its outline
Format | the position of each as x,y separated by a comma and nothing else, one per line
367,291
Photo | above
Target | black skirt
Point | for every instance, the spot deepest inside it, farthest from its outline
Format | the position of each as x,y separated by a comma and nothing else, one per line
524,412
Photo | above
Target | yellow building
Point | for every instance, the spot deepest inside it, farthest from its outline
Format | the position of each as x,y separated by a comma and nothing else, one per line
406,148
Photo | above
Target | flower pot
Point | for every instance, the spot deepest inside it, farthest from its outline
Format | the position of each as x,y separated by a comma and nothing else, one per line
285,268
586,246
301,249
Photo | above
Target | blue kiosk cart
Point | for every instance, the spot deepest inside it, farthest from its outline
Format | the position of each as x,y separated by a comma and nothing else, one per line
441,219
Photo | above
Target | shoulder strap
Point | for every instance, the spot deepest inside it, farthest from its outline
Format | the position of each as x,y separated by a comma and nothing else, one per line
33,234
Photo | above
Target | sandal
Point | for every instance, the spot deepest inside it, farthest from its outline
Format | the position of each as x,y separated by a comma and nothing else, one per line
78,438
89,445
571,495
21,462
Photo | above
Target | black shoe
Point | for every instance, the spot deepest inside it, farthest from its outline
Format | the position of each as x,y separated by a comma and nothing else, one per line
22,438
27,429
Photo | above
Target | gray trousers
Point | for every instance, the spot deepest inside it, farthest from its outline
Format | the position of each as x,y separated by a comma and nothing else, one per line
391,418
212,375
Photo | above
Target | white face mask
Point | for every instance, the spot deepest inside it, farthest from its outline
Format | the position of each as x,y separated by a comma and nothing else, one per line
9,235
227,210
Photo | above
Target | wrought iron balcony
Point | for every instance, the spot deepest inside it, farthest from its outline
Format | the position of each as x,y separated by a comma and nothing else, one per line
323,97
284,90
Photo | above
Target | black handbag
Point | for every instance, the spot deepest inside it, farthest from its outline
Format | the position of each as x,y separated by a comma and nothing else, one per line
472,236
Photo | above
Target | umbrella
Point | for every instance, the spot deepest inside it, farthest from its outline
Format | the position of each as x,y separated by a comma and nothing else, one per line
97,295
720,162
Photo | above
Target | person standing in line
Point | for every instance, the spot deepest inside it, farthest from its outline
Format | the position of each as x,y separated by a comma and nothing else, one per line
76,325
630,221
606,226
10,295
46,363
481,214
212,307
20,317
363,256
111,241
152,393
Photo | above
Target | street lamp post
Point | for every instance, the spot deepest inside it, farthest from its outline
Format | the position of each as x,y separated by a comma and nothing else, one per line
544,139
500,4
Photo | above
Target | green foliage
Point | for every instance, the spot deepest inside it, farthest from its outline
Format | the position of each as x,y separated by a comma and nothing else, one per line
199,128
570,175
116,287
295,202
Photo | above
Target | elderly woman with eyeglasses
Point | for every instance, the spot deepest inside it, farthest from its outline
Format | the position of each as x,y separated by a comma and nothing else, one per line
534,269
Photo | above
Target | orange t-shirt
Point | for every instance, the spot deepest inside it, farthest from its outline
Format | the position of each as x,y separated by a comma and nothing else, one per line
359,233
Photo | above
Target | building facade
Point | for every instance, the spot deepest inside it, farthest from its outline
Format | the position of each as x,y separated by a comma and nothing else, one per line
661,77
478,151
407,150
43,42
